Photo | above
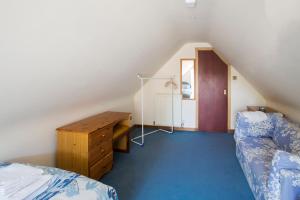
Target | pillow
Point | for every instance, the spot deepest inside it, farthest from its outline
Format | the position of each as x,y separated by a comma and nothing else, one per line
254,124
255,117
286,135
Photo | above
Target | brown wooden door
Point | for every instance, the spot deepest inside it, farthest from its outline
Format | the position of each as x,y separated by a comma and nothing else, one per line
212,94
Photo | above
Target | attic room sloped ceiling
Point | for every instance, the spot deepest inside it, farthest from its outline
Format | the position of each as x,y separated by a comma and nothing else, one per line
81,52
63,60
45,46
261,38
60,55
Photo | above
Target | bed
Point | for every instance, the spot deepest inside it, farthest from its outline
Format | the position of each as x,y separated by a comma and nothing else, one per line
65,185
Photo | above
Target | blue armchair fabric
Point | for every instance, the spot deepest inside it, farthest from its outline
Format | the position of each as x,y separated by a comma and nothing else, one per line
255,156
284,176
268,152
246,128
286,135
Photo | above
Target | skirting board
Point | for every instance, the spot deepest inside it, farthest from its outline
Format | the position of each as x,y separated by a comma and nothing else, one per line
167,127
175,128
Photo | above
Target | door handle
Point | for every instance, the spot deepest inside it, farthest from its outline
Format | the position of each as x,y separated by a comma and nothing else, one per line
225,92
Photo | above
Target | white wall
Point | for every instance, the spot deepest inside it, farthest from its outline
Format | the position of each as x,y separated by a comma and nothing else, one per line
153,88
262,44
242,94
62,55
62,60
34,140
292,113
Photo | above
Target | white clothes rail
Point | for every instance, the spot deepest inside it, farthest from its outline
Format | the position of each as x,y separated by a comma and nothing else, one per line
143,134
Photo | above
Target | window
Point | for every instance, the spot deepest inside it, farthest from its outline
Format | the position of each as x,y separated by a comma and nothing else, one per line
187,77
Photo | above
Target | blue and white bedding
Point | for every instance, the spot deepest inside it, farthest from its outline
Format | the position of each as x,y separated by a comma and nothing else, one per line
66,185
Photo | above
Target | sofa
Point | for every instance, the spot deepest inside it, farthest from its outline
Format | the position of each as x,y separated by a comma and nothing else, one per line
268,149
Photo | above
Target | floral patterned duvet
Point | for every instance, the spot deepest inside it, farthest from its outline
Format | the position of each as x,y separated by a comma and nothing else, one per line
67,185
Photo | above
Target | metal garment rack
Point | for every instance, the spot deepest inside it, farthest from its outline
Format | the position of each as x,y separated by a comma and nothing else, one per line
143,134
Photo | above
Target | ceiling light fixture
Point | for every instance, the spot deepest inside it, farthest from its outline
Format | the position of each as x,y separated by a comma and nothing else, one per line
191,3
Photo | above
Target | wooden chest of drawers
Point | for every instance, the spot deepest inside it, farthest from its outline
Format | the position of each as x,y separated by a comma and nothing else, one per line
86,146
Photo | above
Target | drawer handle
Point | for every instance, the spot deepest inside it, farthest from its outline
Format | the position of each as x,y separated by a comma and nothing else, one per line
103,135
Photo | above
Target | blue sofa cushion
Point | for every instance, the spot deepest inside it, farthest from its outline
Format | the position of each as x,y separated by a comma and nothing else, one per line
284,176
244,127
255,155
286,135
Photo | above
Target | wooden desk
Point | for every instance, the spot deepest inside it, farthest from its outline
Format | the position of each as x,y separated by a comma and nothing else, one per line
86,146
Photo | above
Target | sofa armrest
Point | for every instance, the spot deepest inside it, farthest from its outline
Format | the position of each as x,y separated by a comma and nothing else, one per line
247,128
284,179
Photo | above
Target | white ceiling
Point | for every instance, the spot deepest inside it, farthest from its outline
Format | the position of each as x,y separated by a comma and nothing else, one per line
262,40
61,54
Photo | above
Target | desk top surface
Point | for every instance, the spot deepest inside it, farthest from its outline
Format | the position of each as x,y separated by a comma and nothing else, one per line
95,122
257,108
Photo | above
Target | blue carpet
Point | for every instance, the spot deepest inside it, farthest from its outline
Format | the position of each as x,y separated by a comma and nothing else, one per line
181,166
